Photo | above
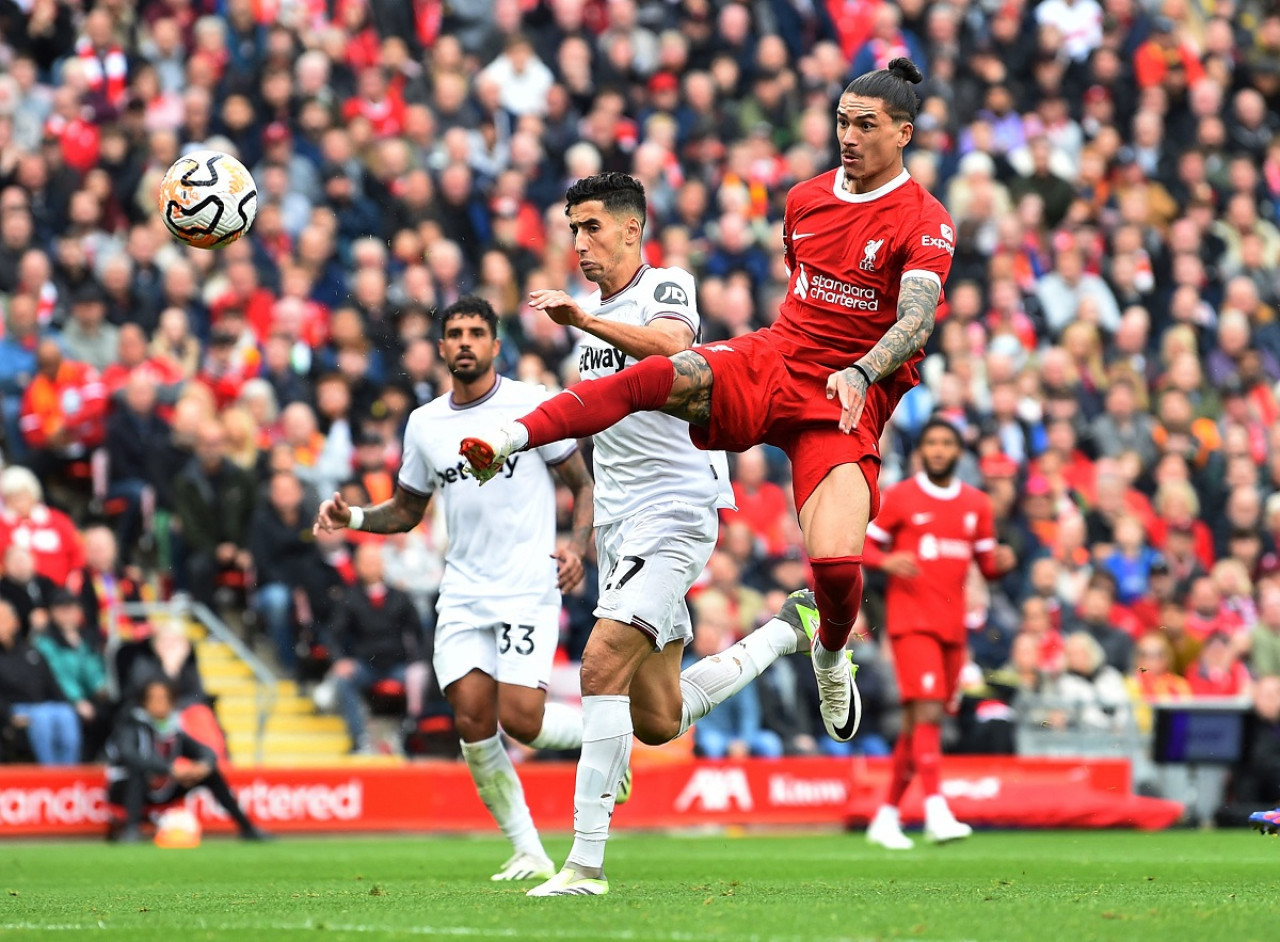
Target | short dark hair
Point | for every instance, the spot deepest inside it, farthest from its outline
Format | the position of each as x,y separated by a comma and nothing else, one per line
470,305
619,192
938,421
893,87
169,686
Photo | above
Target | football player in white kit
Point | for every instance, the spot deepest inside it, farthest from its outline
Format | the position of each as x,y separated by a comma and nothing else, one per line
656,499
499,609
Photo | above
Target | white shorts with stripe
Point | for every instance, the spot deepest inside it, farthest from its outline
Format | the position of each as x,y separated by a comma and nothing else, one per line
649,561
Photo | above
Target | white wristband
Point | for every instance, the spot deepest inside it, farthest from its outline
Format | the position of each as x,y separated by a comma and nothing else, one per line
357,518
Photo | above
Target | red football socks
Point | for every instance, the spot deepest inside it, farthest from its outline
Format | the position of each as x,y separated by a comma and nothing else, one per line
926,753
837,585
902,770
596,404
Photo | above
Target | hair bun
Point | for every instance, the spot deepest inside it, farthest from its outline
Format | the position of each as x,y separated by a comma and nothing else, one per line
906,70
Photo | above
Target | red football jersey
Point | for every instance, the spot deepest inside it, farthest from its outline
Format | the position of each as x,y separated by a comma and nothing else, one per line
946,529
848,254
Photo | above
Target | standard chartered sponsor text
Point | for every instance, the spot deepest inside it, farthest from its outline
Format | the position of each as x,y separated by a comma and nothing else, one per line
833,291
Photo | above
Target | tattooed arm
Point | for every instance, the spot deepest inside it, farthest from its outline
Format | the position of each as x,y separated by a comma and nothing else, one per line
400,514
572,473
917,314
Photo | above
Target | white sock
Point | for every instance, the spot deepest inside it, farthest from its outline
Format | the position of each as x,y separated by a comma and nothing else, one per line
561,728
935,806
888,813
713,680
606,749
502,793
827,659
519,434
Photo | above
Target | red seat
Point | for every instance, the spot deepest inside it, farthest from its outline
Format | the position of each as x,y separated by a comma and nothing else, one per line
390,687
233,579
386,697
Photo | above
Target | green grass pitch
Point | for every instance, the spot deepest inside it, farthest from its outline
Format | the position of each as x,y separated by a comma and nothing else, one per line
817,888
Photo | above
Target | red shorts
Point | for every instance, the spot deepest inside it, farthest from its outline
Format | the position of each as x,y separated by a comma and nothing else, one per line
762,395
928,668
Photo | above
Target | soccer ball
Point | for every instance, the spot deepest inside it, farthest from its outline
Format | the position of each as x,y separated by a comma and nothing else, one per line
178,828
208,199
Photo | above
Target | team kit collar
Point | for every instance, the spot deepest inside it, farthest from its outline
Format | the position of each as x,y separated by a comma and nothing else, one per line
950,492
872,195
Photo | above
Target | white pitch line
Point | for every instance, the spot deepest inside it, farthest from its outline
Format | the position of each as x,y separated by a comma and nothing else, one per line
625,935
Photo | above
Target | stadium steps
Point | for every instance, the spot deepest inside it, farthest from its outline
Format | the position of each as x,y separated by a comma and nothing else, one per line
296,735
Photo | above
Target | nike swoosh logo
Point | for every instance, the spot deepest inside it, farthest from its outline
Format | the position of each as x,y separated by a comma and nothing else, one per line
845,733
797,236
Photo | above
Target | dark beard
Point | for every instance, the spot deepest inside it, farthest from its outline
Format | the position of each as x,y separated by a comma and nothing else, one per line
468,375
943,479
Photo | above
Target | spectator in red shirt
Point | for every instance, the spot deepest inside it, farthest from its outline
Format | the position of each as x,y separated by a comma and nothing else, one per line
762,505
1178,507
1077,471
229,362
246,295
1162,52
164,373
377,102
1218,671
63,410
1207,614
27,522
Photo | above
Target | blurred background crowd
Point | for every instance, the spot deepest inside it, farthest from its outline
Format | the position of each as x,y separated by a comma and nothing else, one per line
1110,347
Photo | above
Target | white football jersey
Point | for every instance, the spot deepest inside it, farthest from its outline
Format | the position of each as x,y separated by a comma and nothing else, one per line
498,563
648,457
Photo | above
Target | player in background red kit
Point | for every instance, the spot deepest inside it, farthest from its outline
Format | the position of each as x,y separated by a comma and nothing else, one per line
929,531
868,249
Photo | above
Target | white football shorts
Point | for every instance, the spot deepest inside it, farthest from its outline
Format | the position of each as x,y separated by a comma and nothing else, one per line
649,561
519,653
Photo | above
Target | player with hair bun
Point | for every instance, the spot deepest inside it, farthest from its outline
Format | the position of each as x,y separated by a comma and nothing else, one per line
868,250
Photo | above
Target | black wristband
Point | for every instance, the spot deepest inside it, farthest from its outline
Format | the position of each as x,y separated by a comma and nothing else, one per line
859,368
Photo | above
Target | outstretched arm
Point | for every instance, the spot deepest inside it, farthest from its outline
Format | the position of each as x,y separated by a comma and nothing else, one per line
664,336
917,314
400,514
572,473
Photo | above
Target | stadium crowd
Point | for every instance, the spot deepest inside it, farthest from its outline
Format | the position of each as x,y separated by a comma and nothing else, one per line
1110,345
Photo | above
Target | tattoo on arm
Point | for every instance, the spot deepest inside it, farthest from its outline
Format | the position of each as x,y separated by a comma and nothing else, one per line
399,515
690,397
917,314
572,473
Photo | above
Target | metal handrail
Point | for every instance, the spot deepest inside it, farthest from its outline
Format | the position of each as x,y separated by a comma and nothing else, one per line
265,689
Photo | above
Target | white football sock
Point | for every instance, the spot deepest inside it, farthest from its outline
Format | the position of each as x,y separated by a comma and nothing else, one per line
561,728
502,793
936,806
827,659
888,813
606,749
713,680
519,434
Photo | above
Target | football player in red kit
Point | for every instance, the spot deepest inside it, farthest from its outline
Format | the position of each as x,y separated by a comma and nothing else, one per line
868,249
929,531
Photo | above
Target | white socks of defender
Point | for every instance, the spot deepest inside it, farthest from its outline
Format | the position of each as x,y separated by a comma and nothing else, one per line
606,750
713,680
561,728
519,434
502,793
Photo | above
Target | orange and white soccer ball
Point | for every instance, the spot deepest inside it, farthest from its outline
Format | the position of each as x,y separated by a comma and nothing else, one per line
178,828
208,199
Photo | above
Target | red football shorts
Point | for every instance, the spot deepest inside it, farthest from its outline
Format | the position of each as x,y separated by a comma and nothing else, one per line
762,395
928,668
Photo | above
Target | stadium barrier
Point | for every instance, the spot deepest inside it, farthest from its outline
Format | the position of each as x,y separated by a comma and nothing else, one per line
439,796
